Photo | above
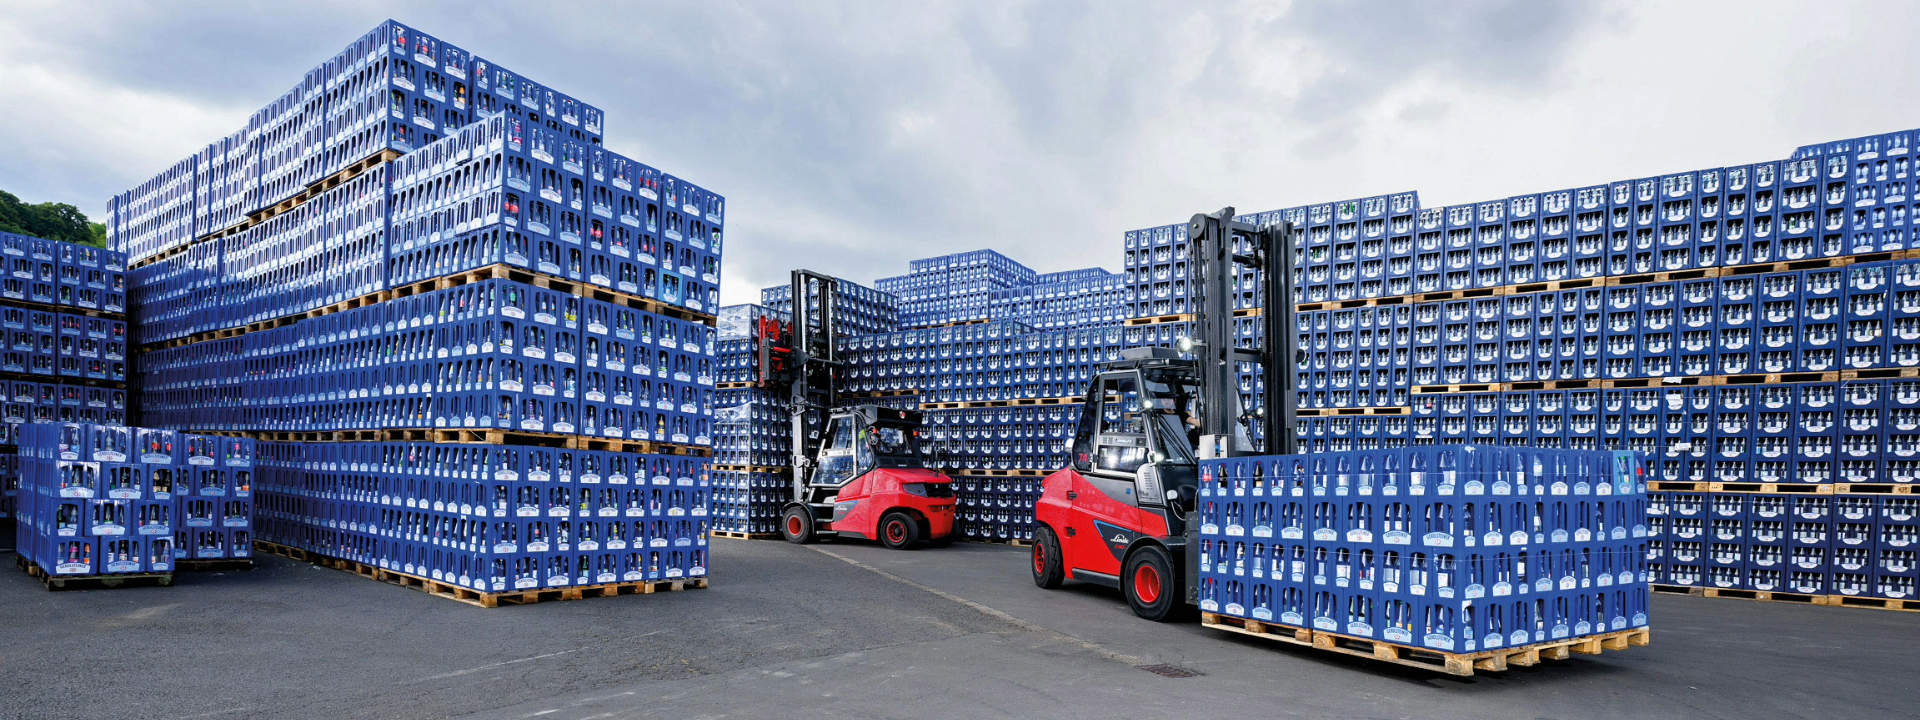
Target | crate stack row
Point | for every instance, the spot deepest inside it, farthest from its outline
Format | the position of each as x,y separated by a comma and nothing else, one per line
1452,549
753,435
1714,320
64,357
1085,298
114,500
1852,549
857,309
953,288
394,90
493,280
489,518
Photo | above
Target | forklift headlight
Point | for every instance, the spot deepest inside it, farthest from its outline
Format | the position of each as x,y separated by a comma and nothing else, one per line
919,489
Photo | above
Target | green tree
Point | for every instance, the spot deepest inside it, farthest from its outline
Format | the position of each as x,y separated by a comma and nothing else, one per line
53,221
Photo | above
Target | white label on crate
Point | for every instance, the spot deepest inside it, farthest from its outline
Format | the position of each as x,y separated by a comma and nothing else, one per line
564,358
562,426
663,404
657,542
636,512
1291,533
1325,535
616,544
616,365
1359,535
675,512
1437,539
534,352
608,512
527,512
543,390
561,511
596,396
532,425
510,386
646,257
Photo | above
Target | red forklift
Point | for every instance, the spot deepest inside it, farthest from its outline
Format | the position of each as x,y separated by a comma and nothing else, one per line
1117,514
857,470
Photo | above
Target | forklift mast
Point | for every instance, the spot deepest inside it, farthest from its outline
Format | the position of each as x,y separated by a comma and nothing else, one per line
814,361
1221,246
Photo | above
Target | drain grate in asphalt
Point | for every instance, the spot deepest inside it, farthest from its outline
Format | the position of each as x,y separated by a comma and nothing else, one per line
1170,671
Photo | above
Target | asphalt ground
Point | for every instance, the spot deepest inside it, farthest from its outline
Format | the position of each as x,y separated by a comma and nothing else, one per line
855,630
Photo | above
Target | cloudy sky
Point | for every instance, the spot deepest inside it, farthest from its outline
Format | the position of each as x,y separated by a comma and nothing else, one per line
851,137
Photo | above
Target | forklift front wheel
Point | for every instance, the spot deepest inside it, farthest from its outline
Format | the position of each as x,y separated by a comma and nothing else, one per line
1047,572
797,525
1148,582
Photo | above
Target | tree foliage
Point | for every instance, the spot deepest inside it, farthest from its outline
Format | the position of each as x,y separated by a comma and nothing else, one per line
53,221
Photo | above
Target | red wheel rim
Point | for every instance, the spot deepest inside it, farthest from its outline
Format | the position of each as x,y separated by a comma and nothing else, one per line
1039,560
1146,584
793,526
896,532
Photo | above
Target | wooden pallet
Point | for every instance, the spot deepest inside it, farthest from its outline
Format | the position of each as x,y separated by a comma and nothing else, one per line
1461,664
1665,589
1459,388
1799,488
1879,373
583,442
1778,378
1343,412
868,394
752,468
729,534
501,437
1255,312
1159,320
1557,285
1469,294
476,598
1659,382
214,565
91,582
1668,486
1555,385
1763,596
1873,603
1660,277
1388,301
1792,265
999,541
1873,489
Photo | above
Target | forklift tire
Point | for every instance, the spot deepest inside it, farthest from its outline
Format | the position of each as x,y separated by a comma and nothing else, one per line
1047,571
797,525
899,531
1152,590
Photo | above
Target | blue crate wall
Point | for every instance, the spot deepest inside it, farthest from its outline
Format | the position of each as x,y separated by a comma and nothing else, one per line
394,90
858,309
1090,297
953,288
490,518
103,499
1414,546
491,354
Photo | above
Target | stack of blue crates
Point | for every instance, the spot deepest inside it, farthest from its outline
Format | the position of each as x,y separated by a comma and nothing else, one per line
1850,546
63,354
953,288
105,499
857,309
415,238
1454,549
486,517
1085,298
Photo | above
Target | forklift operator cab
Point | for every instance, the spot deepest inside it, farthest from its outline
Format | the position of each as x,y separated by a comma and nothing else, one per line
1119,508
868,482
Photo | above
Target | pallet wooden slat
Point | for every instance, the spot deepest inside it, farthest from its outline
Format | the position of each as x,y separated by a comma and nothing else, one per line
477,598
1462,664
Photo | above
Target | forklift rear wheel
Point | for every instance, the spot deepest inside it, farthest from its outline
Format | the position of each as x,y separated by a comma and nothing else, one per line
1047,572
797,525
899,531
1149,584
